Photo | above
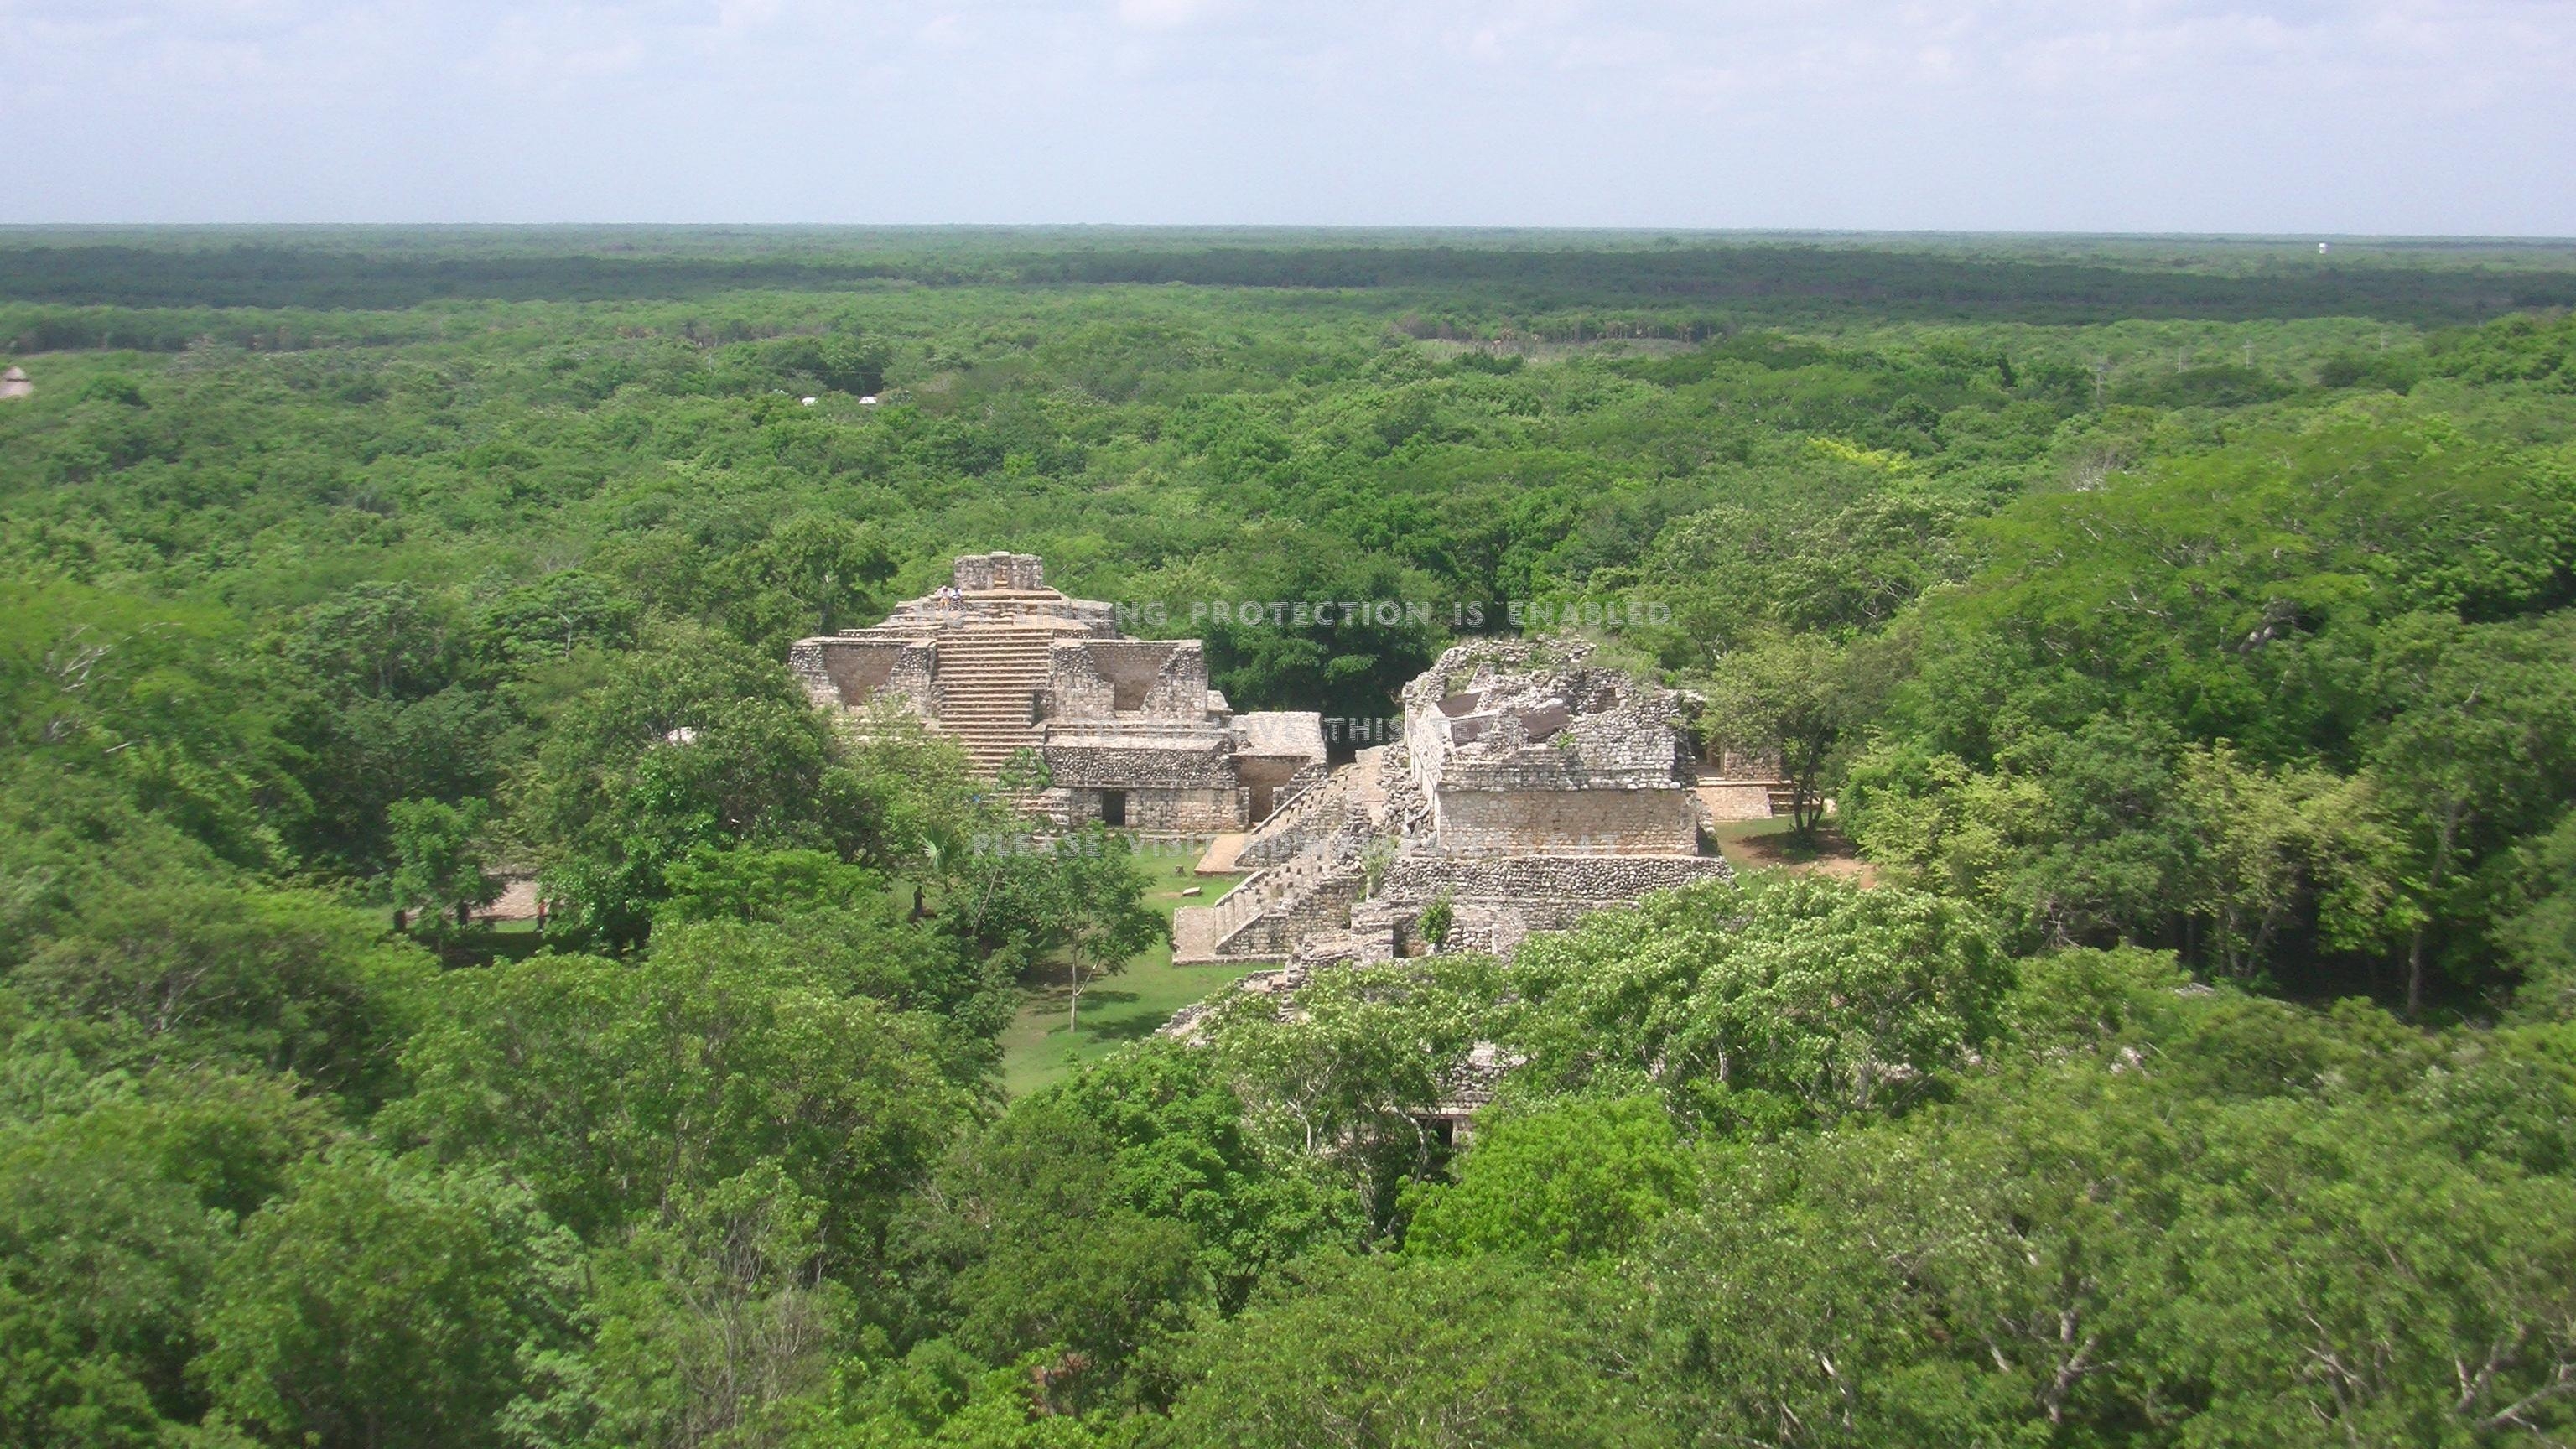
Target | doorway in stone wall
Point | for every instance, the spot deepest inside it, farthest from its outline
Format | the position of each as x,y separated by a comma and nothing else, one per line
1113,808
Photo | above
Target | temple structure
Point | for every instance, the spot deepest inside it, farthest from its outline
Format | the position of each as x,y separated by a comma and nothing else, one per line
1128,730
1530,788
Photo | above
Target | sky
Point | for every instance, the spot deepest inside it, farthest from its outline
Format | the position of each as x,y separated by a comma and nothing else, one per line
2415,117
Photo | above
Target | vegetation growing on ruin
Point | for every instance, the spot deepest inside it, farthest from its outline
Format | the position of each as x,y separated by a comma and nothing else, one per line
2185,633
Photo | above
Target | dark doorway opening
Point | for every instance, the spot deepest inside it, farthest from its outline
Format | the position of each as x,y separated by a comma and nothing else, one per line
1113,807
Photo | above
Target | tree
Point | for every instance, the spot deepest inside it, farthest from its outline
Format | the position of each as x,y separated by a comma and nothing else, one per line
1106,923
1437,920
1779,999
1413,1353
2269,849
812,574
696,745
386,1303
183,969
101,1268
607,1087
384,640
1346,1079
1574,1179
1046,1254
764,885
1101,1215
1783,699
2483,742
2071,836
439,862
712,1315
550,617
1024,897
113,1218
2539,932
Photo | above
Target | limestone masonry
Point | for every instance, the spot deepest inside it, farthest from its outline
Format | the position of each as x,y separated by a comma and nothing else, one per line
1129,731
1530,788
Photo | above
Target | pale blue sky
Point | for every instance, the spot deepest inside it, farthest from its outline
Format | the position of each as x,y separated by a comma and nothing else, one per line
2409,116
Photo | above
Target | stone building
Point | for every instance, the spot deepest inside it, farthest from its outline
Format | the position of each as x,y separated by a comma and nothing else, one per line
1524,749
1130,733
14,383
1530,788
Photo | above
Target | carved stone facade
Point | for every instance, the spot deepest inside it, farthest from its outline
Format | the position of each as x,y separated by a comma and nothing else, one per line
1129,731
1531,788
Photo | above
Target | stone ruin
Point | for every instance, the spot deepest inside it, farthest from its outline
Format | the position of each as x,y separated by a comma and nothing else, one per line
1530,788
1130,734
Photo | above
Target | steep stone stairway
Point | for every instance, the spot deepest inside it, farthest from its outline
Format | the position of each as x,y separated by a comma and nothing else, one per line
989,678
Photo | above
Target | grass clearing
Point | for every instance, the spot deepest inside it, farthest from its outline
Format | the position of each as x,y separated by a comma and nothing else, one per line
1772,844
1037,1048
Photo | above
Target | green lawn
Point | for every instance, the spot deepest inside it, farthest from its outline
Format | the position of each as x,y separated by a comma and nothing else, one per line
1037,1049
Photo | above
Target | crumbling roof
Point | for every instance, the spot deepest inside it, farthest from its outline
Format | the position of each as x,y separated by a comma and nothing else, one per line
1532,711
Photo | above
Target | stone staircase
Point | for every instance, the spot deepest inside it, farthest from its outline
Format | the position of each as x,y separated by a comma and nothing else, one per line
989,676
1313,814
1203,934
1261,918
1352,795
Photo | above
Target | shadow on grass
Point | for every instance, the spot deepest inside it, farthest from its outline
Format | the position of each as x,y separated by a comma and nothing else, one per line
1125,1029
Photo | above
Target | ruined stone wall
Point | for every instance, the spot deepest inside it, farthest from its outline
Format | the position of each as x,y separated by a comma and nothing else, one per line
1186,812
1300,826
1426,744
1265,778
1174,812
1734,764
1622,749
1101,678
1567,822
1737,802
1544,878
1318,907
1520,716
1325,906
1142,765
1497,904
998,571
1272,771
806,660
853,671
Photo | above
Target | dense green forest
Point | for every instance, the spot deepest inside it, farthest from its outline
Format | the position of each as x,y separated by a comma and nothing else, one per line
2185,632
